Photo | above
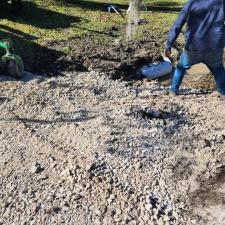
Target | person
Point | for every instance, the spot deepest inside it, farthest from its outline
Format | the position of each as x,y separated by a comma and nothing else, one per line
204,40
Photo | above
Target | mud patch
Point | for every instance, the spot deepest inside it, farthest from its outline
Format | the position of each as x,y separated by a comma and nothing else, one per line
121,60
117,58
199,76
211,197
209,194
114,56
148,114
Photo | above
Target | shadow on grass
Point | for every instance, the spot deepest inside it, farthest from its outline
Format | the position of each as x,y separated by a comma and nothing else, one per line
37,59
11,31
91,5
164,9
164,6
33,15
157,6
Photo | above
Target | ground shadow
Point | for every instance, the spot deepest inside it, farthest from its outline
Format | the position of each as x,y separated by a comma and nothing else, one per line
210,196
165,6
91,5
75,117
36,16
101,6
171,121
208,193
17,33
37,59
62,120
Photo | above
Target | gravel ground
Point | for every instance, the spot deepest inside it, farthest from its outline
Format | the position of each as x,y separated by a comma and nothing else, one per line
85,149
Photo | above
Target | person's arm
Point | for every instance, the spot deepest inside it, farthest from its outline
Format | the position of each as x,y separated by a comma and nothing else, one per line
177,27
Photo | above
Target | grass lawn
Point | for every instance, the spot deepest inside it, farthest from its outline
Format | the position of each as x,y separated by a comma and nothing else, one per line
44,21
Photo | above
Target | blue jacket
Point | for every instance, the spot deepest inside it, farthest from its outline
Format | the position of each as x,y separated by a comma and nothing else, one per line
205,25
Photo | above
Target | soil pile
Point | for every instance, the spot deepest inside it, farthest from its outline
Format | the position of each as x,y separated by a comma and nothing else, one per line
84,149
117,58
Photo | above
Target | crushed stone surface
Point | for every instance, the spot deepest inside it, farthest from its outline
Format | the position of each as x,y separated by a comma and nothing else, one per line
85,149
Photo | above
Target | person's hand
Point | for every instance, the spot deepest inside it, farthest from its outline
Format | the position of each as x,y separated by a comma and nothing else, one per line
167,53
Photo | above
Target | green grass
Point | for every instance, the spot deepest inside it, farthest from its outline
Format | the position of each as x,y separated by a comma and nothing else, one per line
43,21
57,20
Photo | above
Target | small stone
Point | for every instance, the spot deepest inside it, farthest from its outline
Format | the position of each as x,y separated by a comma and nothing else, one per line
155,217
166,218
109,201
141,222
148,207
66,173
127,219
77,197
56,209
138,165
51,159
90,167
160,222
43,177
36,168
118,211
175,215
8,201
112,196
207,143
117,220
133,222
97,212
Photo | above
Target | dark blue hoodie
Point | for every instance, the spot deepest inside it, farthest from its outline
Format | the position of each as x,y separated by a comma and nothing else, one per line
205,25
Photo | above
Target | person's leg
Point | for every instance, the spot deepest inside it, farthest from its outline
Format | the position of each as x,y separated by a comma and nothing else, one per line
214,62
219,76
178,75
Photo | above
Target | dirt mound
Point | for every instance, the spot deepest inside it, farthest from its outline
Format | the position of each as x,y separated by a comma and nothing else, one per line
117,58
121,60
85,149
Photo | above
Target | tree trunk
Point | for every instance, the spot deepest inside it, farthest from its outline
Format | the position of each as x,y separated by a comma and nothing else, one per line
133,17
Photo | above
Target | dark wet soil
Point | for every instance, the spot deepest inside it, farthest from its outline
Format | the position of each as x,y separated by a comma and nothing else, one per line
117,57
208,193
